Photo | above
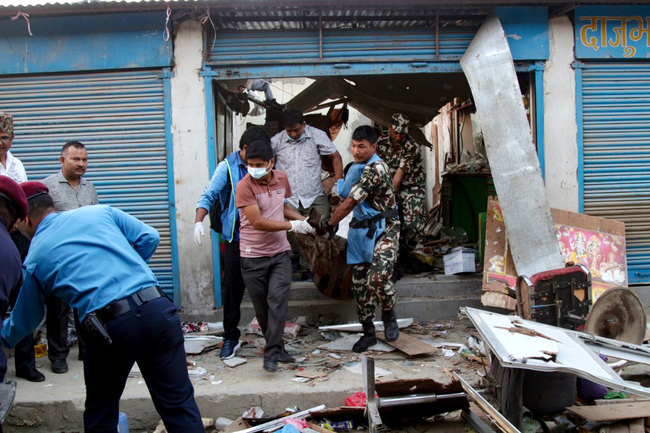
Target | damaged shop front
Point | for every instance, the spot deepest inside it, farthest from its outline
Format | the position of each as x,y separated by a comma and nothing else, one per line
364,65
151,95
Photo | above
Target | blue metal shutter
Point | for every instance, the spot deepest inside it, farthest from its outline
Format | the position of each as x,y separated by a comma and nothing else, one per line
120,117
616,153
339,45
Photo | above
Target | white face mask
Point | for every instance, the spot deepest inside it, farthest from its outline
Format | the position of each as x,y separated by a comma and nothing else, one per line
258,172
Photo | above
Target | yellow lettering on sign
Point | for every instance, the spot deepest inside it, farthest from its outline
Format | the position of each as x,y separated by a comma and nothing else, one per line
624,29
591,42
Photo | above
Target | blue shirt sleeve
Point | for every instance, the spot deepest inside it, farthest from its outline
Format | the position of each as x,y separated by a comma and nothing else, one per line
217,183
144,238
27,313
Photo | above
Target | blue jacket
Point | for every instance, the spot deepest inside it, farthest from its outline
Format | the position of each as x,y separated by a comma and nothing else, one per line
217,189
88,257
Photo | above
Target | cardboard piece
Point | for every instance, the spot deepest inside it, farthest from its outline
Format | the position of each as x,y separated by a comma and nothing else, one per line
613,412
410,345
597,243
237,425
499,300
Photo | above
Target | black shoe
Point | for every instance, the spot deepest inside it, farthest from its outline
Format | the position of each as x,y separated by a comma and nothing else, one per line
368,340
229,349
32,375
285,358
270,365
59,367
391,330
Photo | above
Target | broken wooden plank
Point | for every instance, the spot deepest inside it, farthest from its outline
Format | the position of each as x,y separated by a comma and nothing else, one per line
237,425
410,345
613,412
500,420
317,428
416,386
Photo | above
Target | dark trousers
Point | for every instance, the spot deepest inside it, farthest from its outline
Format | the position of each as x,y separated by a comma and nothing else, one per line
56,324
24,350
232,291
150,335
268,280
24,354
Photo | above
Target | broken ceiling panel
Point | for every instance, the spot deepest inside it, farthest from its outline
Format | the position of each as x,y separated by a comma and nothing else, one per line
573,356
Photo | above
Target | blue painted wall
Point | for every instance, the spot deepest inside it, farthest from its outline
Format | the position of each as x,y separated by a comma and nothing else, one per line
526,28
84,43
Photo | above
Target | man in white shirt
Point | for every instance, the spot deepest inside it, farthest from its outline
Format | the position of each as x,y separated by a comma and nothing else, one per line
299,151
9,166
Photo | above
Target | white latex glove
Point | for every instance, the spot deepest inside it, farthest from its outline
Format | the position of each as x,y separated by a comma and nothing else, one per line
198,232
301,227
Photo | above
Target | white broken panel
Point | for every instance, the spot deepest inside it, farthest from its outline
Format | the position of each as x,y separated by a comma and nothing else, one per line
345,345
573,356
514,164
197,344
356,327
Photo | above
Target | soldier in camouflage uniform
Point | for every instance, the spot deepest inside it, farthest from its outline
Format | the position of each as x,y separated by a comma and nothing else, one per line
403,156
373,238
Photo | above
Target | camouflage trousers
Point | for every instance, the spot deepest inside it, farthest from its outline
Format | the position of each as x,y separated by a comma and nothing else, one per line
372,281
413,218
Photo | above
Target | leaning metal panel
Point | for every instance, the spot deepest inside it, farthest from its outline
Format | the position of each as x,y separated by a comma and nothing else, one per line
491,74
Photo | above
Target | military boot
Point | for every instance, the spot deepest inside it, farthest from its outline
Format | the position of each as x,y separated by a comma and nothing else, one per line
369,339
391,330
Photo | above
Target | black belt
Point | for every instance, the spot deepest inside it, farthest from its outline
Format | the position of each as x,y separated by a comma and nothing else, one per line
117,308
371,223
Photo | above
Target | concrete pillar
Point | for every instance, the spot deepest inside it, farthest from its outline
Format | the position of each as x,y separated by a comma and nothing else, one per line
189,129
560,127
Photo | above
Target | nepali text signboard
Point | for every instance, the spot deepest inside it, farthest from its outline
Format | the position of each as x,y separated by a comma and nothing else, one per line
612,32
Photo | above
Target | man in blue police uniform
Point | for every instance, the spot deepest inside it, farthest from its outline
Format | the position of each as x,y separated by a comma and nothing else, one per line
94,258
13,207
223,187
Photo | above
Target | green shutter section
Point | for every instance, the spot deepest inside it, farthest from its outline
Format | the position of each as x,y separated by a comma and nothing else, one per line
120,117
616,143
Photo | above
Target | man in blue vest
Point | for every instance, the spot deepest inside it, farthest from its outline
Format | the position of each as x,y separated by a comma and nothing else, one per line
373,239
223,187
95,259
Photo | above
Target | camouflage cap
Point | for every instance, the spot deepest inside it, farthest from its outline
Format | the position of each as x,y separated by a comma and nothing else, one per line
400,123
6,124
